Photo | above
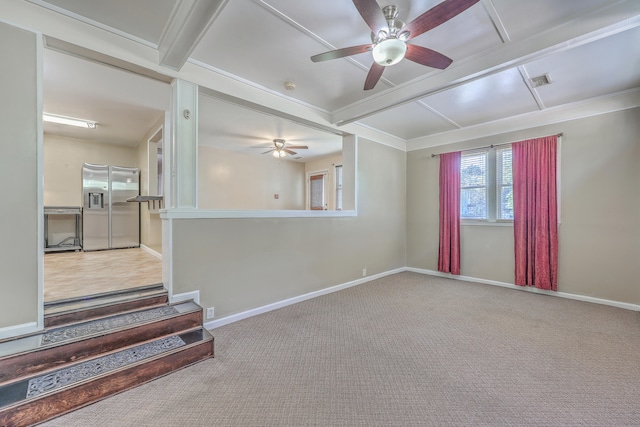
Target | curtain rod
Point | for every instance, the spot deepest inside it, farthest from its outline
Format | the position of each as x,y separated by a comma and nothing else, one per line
487,146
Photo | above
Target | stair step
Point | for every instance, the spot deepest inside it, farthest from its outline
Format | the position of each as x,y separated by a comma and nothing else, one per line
56,347
57,313
40,397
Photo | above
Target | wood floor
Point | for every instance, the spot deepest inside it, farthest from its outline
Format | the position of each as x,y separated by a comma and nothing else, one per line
74,274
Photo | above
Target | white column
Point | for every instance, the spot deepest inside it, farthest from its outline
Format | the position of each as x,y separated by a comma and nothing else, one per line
184,145
349,173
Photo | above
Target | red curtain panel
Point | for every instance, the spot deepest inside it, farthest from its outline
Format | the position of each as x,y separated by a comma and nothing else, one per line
449,249
536,212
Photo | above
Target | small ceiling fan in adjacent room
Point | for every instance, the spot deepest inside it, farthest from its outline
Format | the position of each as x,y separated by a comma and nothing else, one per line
390,37
281,149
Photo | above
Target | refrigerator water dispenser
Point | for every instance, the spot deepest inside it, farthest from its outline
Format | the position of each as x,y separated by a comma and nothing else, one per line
96,201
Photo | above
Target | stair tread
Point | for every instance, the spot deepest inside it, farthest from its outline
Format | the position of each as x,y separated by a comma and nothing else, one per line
69,376
91,328
100,300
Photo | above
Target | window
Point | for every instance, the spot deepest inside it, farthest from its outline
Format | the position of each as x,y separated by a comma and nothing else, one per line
486,185
473,186
504,184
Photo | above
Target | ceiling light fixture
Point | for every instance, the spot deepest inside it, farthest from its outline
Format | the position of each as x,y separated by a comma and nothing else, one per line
389,51
87,124
279,153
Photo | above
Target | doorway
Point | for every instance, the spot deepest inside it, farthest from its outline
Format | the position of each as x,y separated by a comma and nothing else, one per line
129,111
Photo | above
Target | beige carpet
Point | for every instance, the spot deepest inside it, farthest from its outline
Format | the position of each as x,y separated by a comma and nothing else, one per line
405,350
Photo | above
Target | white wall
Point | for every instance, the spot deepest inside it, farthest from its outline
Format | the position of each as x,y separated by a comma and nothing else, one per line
232,180
599,234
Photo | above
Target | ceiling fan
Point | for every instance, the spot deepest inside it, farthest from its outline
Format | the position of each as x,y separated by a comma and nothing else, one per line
390,36
281,149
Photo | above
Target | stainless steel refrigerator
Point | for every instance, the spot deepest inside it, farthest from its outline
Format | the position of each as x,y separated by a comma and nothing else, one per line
108,220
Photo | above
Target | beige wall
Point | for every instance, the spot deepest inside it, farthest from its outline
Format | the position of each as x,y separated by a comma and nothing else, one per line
19,213
62,166
328,164
232,180
599,234
241,264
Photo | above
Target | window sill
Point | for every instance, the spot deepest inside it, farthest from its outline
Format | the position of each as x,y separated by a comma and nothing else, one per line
470,222
215,213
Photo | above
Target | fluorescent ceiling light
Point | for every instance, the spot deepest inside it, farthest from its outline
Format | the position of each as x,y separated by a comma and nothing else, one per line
88,124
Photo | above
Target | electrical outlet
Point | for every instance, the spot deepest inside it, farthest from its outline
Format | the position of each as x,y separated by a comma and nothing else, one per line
210,313
364,272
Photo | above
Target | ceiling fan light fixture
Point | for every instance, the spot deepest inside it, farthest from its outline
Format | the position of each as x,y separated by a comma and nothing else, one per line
382,34
279,153
389,52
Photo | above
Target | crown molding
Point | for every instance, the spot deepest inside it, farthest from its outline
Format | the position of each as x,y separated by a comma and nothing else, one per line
563,113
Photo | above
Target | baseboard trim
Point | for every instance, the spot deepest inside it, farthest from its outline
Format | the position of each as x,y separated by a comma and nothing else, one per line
193,295
280,304
594,300
151,251
17,330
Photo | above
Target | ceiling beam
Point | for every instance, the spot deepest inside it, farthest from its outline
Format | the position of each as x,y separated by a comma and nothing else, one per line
103,59
189,21
598,24
551,116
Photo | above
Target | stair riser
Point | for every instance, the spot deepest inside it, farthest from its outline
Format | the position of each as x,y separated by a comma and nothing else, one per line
48,407
12,368
93,313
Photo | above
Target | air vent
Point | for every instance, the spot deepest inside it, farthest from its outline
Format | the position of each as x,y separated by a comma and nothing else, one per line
542,80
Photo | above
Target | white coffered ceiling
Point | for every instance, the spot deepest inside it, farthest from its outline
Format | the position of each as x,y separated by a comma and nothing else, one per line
589,49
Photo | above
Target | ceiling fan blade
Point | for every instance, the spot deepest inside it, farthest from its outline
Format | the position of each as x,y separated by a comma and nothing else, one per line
293,153
437,15
375,72
262,146
372,14
298,147
428,57
341,53
266,152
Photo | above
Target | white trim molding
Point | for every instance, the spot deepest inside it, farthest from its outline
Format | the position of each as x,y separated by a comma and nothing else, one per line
187,296
573,111
167,255
186,213
284,303
618,304
280,304
18,330
151,251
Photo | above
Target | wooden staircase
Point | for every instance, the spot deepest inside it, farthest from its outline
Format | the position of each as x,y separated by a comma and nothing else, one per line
94,348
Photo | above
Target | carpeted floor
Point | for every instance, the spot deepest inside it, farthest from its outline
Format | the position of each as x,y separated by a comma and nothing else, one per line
405,350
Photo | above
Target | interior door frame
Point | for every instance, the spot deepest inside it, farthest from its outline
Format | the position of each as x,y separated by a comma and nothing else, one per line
325,199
